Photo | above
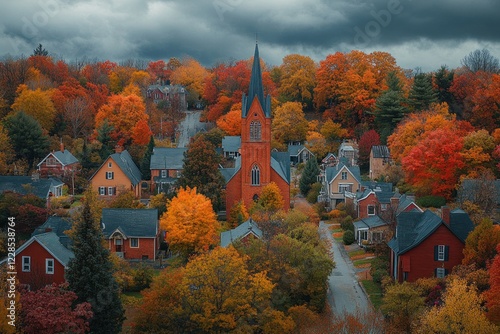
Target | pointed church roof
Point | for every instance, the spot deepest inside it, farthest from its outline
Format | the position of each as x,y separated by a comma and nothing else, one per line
256,88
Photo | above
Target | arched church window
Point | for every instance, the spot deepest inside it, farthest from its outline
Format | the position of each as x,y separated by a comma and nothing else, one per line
255,130
255,175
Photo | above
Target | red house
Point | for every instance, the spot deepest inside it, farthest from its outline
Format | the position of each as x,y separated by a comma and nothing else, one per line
61,164
132,234
426,245
41,261
257,166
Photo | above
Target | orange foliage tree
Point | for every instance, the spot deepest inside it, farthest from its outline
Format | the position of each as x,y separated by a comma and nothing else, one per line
493,294
190,222
289,123
481,244
230,123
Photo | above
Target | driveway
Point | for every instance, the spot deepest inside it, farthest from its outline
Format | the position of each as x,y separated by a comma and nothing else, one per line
345,294
189,127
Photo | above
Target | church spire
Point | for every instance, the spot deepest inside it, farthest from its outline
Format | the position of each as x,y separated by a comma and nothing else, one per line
256,89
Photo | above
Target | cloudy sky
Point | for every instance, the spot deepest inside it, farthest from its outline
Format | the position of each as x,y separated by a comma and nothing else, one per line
418,33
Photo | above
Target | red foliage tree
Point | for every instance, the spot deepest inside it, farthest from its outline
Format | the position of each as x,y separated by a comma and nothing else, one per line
493,294
50,310
368,139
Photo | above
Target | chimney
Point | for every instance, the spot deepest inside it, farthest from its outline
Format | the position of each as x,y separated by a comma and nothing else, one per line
445,215
62,146
48,229
394,202
118,149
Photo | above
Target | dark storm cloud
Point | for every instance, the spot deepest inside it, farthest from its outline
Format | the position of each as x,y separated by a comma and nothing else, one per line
421,33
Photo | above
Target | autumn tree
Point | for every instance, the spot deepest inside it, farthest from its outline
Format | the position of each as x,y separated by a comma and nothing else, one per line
309,176
492,295
289,123
27,138
422,94
366,142
13,72
297,80
237,214
191,74
317,144
51,310
481,60
481,243
333,132
201,170
90,272
190,222
37,104
480,193
402,304
477,151
6,151
461,312
230,123
146,159
270,199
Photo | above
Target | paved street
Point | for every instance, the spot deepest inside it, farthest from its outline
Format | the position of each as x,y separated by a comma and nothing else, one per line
189,127
345,294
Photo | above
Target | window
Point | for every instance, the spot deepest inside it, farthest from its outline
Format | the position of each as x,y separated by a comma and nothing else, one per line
110,175
255,130
377,236
405,275
111,191
49,266
371,210
163,173
383,207
344,176
51,161
364,235
118,242
345,187
440,272
441,251
26,263
134,242
255,175
110,164
102,191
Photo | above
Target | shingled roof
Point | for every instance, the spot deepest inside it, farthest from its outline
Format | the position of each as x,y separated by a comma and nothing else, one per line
132,223
25,184
256,89
241,231
168,158
381,151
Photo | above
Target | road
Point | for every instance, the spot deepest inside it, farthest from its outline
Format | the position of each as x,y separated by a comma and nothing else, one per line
189,127
345,295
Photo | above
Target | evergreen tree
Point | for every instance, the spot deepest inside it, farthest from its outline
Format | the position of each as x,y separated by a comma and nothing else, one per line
390,107
27,138
309,176
443,80
90,272
103,135
40,51
201,170
422,95
145,165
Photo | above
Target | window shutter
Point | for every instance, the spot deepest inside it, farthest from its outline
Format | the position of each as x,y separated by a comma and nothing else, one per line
114,190
446,252
435,272
446,272
435,253
105,191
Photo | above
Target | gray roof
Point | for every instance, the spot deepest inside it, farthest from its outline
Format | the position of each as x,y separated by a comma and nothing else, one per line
370,222
228,237
295,150
168,158
256,89
65,158
127,165
333,172
50,241
58,225
383,190
280,162
231,143
17,184
381,151
414,227
132,223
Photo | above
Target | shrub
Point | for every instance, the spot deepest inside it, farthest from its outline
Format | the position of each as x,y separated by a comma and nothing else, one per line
312,195
431,201
378,275
348,237
142,277
346,224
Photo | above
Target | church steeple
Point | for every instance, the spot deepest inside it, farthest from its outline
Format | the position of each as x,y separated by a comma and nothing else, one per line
256,88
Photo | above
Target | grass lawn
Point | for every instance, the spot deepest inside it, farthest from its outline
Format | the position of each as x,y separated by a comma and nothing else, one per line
356,253
362,262
374,292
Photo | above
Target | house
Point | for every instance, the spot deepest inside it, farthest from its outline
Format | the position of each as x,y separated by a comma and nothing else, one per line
380,160
329,161
404,203
243,232
339,182
61,164
426,245
370,230
42,188
58,225
257,166
349,151
42,260
299,154
231,146
166,167
118,173
169,93
132,234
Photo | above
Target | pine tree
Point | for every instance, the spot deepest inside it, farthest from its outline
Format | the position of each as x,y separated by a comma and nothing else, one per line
443,80
422,95
104,136
309,176
201,171
146,160
390,107
40,51
90,272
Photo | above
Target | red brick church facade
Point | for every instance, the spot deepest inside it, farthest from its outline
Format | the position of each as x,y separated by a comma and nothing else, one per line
257,166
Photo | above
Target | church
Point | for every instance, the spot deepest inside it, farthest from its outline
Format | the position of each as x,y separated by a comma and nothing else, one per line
256,166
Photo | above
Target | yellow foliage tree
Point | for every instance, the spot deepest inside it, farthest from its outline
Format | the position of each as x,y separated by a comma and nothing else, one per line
36,103
190,222
192,76
461,312
289,123
298,77
6,151
270,198
316,143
